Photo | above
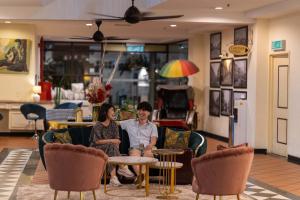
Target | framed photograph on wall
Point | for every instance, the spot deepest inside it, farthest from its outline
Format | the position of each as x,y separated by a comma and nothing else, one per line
215,45
240,73
214,102
215,73
226,72
226,102
241,36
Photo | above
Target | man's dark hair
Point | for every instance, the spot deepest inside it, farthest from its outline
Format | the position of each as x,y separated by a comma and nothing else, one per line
103,111
144,106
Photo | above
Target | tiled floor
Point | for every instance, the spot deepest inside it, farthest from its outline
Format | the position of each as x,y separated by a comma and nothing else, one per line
270,175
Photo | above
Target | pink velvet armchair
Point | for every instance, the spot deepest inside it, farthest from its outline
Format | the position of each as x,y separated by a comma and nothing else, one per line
74,168
222,172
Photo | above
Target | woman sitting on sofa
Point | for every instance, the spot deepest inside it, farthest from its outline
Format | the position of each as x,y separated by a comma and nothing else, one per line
105,136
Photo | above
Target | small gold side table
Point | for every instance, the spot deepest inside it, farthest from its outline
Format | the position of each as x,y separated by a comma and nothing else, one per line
167,166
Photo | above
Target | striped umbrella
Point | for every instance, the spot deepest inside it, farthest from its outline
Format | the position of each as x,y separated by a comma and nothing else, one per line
178,68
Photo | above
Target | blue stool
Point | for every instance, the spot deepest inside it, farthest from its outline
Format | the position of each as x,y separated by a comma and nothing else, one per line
33,112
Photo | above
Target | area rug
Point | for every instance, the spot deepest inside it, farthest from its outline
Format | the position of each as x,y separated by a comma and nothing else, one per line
125,192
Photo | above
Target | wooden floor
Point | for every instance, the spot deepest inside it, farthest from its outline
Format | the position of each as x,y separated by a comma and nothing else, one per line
272,170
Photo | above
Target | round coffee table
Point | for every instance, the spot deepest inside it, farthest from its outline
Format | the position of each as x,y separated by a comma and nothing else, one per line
133,160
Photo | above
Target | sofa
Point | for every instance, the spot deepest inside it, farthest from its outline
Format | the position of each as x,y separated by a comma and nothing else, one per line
80,135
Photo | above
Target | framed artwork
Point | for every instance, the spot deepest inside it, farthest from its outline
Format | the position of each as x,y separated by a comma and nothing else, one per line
226,72
226,102
215,68
14,55
240,95
214,102
241,36
240,73
215,45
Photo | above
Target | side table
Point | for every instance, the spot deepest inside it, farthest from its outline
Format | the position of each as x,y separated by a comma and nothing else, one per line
167,166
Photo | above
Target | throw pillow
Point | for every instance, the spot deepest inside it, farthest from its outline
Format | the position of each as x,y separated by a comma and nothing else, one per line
176,139
62,137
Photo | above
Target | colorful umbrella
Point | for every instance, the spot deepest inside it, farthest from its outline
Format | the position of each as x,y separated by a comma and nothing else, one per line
178,68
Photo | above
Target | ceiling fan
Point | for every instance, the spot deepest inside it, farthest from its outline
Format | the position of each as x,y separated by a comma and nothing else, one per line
133,15
98,35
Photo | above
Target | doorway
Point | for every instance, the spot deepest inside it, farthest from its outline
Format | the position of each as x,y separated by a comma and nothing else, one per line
279,67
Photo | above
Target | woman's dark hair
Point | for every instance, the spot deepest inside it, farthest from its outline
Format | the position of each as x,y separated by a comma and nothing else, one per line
144,106
103,111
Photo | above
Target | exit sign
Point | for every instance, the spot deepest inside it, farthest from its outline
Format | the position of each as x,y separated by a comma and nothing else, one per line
278,45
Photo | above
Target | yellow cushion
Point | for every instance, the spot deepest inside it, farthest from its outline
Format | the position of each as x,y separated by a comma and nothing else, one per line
176,139
62,137
55,125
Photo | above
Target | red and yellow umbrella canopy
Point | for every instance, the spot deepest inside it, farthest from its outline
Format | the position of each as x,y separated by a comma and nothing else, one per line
178,68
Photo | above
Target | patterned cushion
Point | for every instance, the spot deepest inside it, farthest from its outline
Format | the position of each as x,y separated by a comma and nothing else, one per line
62,137
177,139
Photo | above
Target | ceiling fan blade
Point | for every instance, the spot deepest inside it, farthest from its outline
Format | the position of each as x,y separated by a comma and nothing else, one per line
115,38
104,15
160,17
81,38
144,14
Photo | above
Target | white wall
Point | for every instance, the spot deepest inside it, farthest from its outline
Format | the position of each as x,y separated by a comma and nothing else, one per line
288,28
18,87
197,55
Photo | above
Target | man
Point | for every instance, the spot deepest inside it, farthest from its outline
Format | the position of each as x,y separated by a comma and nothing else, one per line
142,134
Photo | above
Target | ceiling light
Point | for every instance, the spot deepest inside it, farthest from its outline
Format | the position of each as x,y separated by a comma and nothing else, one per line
7,22
218,8
89,24
173,25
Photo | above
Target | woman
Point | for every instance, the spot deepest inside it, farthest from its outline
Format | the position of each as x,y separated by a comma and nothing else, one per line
105,136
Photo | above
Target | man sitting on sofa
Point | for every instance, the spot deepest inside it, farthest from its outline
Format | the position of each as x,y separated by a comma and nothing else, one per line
142,134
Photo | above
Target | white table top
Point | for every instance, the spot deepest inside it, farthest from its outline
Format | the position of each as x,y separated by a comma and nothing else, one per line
131,160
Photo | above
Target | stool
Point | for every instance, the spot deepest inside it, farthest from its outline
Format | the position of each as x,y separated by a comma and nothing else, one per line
33,112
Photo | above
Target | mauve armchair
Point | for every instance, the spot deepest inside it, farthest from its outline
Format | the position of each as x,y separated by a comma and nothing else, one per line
74,168
222,173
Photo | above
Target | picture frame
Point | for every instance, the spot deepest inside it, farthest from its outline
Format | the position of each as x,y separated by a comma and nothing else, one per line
240,73
241,36
15,55
214,103
215,45
215,74
226,72
226,102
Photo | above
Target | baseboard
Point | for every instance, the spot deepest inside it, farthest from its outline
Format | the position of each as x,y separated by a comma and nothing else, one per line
294,159
214,136
260,151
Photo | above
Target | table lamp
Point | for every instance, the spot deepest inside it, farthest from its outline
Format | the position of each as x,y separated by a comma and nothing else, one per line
36,93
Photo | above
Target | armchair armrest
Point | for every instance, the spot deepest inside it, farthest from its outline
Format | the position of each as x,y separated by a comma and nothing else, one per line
197,143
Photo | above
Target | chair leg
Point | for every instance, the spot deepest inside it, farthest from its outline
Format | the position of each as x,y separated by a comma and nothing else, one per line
94,194
214,197
197,196
220,197
69,194
55,194
81,196
238,196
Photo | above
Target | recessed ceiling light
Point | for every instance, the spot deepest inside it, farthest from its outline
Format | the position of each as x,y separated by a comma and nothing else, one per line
173,25
7,22
218,8
89,24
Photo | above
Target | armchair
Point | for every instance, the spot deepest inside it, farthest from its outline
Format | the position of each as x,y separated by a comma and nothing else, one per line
223,172
63,176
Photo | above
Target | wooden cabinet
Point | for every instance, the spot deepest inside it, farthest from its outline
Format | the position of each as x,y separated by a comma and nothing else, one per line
13,119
